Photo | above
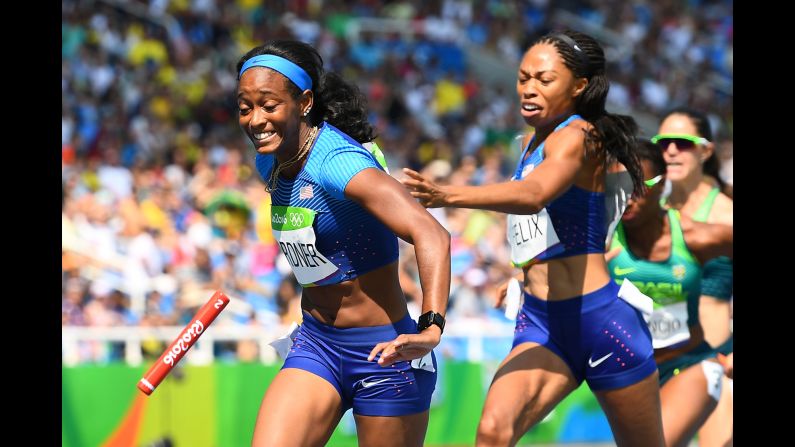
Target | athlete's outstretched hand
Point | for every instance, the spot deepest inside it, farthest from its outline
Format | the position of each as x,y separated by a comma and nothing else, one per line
406,347
429,193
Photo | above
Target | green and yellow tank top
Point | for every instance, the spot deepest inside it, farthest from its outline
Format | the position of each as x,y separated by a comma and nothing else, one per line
674,284
719,272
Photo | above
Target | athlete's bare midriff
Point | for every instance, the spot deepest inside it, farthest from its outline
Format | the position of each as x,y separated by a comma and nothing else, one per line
564,278
372,299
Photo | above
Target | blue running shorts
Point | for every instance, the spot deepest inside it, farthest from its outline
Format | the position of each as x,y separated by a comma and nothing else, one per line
602,338
339,355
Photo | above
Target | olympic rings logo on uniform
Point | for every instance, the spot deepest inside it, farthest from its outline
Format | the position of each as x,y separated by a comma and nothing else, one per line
296,219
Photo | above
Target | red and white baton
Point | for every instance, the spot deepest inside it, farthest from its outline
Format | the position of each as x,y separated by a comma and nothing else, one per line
203,318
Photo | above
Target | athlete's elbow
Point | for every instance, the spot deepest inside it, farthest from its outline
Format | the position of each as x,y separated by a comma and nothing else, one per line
437,235
529,200
440,237
443,236
534,208
426,231
526,206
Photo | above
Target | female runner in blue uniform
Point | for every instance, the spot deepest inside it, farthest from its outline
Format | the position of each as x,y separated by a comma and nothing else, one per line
336,214
662,253
557,227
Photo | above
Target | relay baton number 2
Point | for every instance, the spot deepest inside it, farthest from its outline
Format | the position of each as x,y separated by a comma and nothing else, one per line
172,355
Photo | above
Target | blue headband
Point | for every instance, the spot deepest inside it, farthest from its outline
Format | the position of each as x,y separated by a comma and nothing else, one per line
290,70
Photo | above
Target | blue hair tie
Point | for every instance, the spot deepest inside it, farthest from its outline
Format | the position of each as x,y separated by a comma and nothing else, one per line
290,70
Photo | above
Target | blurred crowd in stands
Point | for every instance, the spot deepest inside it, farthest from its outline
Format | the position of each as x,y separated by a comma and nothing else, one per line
162,205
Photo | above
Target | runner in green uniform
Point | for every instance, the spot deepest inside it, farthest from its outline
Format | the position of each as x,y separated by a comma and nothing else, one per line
685,137
662,253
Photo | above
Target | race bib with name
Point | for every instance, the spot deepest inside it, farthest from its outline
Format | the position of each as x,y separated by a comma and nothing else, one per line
668,325
292,229
530,236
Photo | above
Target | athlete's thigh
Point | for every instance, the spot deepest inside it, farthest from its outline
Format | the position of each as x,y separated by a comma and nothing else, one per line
528,384
686,404
388,431
634,413
718,430
299,409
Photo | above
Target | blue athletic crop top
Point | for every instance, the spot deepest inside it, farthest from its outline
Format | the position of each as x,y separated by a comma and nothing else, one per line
327,238
578,215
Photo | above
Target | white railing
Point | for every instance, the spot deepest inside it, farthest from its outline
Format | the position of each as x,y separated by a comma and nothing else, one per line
202,352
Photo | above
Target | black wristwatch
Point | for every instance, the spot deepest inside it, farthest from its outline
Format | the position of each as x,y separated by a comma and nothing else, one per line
428,318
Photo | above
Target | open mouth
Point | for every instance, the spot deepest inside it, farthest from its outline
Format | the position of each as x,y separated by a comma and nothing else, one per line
263,136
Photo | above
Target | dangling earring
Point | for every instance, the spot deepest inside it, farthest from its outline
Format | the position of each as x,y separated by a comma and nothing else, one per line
306,112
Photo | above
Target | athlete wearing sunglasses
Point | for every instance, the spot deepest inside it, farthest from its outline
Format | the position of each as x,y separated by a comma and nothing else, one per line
682,142
662,253
693,169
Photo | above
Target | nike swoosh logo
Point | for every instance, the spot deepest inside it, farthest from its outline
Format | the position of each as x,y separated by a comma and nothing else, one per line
593,364
369,384
625,271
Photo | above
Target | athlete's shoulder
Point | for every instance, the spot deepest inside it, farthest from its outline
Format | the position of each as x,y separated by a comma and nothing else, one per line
568,140
330,143
576,129
337,137
581,124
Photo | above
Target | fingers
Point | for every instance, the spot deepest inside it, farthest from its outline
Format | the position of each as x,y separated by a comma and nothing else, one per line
403,348
393,353
417,181
413,174
417,187
411,182
378,348
424,198
388,349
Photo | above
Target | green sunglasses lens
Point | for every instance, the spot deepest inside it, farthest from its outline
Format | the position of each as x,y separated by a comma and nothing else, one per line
653,181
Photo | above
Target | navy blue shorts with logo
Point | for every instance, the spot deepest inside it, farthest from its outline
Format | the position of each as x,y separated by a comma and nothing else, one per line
339,355
602,338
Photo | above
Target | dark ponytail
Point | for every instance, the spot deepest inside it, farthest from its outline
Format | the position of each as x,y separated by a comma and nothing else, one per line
617,134
613,133
344,106
335,101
